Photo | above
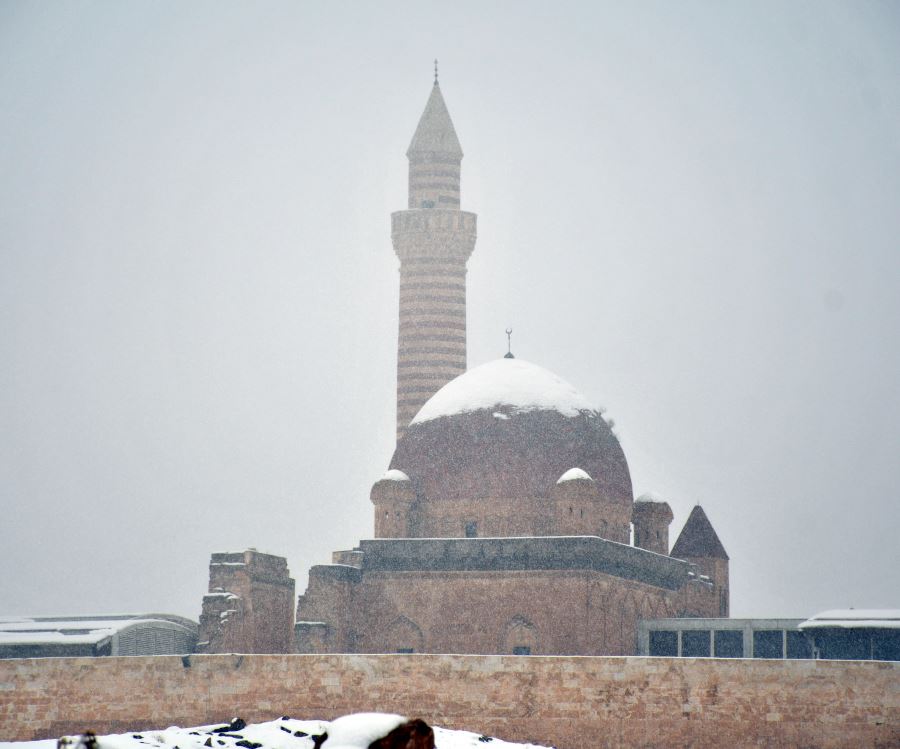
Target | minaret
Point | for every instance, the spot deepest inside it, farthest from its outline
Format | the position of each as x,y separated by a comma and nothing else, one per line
433,240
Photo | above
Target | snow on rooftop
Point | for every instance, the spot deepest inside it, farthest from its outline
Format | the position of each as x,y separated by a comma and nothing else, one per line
63,625
649,497
573,474
286,733
56,637
394,475
83,630
74,632
512,383
854,619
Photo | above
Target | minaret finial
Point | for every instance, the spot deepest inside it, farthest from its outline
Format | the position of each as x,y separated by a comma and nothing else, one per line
435,72
509,353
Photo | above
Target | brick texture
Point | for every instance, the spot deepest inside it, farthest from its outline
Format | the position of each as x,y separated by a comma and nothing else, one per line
567,702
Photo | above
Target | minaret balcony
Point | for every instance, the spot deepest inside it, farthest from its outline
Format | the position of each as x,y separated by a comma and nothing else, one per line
433,232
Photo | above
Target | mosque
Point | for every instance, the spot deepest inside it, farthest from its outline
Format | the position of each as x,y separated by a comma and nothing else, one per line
503,523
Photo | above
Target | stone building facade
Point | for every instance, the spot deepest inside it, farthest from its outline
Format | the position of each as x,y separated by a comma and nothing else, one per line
504,521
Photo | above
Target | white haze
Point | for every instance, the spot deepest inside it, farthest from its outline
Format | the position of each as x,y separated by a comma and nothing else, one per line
690,211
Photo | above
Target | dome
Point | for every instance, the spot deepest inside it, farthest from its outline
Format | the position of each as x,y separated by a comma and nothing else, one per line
509,429
509,385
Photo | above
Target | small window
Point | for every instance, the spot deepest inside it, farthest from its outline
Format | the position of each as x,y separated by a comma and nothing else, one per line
798,646
768,643
428,204
885,645
405,651
522,650
472,529
729,643
695,643
664,643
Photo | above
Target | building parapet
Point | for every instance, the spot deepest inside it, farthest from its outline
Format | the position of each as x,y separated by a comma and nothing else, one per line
525,553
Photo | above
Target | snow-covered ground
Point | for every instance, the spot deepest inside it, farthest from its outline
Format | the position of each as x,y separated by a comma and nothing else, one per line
349,732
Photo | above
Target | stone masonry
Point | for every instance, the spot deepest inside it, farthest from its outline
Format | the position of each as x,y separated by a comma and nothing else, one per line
554,595
250,604
566,702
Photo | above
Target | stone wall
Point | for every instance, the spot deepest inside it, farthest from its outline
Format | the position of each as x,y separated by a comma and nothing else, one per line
250,604
567,702
476,611
570,595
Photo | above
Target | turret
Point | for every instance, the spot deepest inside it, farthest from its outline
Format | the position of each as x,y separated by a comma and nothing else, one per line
433,240
651,517
574,496
580,509
393,497
698,543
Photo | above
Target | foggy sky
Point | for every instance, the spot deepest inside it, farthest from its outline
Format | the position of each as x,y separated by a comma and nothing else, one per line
690,211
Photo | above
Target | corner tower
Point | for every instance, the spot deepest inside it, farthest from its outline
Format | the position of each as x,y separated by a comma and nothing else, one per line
433,240
699,543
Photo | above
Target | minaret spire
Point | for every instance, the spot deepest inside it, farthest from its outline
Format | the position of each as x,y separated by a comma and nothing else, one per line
433,240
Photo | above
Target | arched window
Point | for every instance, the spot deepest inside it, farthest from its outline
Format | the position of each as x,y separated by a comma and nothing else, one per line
403,636
521,637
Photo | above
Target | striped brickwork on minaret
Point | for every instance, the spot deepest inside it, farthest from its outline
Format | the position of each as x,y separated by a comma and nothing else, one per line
433,240
434,181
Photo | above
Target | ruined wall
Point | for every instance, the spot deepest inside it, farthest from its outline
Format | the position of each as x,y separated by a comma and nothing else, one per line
250,605
567,702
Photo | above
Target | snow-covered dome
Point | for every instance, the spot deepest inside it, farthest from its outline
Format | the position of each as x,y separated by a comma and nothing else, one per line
504,385
509,429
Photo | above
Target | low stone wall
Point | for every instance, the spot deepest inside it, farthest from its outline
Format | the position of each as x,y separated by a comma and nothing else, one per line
568,702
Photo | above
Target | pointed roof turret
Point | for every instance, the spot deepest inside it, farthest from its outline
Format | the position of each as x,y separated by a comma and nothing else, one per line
697,539
435,133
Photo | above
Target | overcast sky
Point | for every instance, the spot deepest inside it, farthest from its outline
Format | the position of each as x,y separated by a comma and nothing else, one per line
690,211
